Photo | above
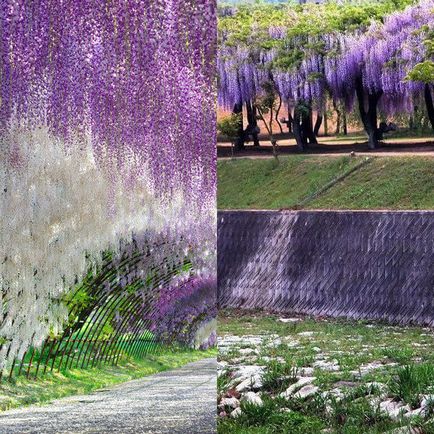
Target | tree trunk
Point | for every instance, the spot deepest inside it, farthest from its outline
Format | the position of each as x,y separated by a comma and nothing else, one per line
326,127
290,120
307,127
369,117
344,123
338,118
375,135
239,141
275,147
429,104
318,124
411,125
253,122
298,130
276,117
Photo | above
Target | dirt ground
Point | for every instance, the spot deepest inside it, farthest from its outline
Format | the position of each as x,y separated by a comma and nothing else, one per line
333,145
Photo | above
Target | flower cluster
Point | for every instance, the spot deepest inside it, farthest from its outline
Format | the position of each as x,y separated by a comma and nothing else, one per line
182,311
382,58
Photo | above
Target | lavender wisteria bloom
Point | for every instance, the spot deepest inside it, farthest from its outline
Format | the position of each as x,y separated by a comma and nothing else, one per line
106,129
382,58
374,65
241,73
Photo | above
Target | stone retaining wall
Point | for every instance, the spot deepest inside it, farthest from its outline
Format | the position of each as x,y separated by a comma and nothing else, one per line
355,264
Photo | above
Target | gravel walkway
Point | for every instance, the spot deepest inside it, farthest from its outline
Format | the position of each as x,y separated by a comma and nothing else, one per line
178,402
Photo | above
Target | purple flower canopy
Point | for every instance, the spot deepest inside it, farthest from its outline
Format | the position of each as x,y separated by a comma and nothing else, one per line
381,56
133,74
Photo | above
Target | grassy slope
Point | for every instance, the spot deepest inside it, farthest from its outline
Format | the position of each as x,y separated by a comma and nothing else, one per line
385,182
22,391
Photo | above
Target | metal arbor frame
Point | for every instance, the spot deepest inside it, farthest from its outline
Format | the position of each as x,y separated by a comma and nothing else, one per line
109,314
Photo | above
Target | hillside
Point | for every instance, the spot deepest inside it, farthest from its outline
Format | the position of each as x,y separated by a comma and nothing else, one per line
327,182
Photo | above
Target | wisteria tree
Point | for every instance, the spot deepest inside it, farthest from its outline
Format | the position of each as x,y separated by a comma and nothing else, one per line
375,65
350,54
423,72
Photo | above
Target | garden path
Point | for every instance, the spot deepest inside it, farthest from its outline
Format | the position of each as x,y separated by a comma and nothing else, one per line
178,401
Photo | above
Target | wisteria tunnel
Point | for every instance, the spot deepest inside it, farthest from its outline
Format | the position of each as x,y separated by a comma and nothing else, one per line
107,172
129,306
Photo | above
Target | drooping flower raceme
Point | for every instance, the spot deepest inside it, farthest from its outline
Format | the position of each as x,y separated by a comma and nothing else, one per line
382,57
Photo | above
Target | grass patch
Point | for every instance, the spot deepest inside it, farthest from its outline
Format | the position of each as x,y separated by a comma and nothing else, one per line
411,382
264,184
404,372
223,382
386,182
22,391
356,416
270,419
278,376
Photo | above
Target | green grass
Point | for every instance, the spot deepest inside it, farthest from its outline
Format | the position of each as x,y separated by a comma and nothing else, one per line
411,382
383,183
352,344
279,376
270,420
22,391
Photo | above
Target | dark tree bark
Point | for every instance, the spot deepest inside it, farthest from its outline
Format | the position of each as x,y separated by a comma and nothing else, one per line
412,121
411,125
374,133
290,120
276,117
252,122
338,117
307,121
298,130
429,104
239,141
369,116
344,123
318,124
302,127
326,127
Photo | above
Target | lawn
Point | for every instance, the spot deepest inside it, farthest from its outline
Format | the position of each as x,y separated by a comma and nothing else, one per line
307,375
331,182
22,391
